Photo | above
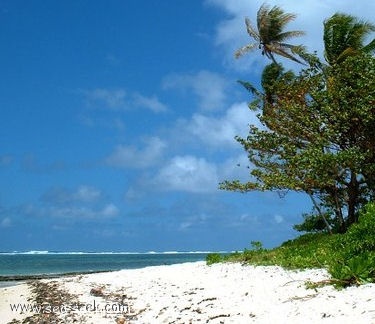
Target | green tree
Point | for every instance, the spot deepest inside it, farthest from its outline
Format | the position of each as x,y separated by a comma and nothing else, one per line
345,35
318,139
270,36
318,136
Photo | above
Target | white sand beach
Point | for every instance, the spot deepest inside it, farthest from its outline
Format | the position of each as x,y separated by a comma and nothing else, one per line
197,293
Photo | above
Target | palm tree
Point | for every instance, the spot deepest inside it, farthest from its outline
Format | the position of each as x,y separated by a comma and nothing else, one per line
270,35
345,35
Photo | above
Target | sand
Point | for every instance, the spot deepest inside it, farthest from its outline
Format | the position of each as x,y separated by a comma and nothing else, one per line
197,293
13,295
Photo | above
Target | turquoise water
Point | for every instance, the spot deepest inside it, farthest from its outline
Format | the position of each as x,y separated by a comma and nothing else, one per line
37,263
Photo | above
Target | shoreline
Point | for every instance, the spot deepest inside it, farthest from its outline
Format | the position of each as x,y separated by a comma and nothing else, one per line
193,292
21,267
42,276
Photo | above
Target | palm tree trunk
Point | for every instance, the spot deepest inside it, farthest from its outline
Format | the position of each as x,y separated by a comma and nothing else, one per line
316,205
338,211
352,199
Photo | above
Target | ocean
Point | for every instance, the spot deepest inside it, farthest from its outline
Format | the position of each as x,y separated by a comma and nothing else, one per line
41,263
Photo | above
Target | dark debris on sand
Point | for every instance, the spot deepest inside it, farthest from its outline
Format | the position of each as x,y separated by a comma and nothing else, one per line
51,298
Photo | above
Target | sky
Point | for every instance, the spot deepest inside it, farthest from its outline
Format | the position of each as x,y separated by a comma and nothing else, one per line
118,121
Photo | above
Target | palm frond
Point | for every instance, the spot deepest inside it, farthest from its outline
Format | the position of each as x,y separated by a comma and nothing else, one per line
263,22
358,34
285,18
249,87
251,30
349,51
262,15
370,47
270,34
278,20
245,49
281,18
345,35
290,34
282,51
269,54
295,49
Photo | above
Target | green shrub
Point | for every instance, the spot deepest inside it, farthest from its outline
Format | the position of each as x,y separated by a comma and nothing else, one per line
361,236
257,245
355,270
349,257
313,223
212,258
307,251
353,260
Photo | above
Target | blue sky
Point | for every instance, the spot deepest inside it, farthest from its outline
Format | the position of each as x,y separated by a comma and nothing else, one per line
118,121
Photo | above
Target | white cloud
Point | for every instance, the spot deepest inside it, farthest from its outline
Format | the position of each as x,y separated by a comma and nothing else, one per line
243,220
209,87
79,212
132,194
84,202
72,212
119,99
87,194
105,233
151,103
220,131
185,225
111,123
235,168
30,163
193,221
278,219
5,222
110,210
82,194
111,98
188,173
131,157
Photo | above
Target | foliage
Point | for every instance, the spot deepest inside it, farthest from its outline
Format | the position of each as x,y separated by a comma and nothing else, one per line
361,236
349,257
354,260
317,135
318,138
270,36
212,258
307,251
356,270
315,223
344,36
257,245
